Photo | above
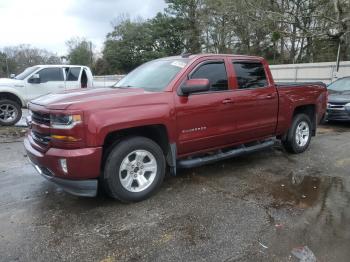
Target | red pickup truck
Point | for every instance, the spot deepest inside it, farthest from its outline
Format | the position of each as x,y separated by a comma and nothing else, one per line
170,113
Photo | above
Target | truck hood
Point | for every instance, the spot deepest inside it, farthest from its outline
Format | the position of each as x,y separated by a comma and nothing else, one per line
339,97
88,98
10,82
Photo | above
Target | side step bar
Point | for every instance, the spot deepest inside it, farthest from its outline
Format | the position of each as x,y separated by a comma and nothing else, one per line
220,155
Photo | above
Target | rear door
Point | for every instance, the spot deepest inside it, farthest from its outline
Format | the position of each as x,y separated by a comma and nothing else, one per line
255,101
204,120
72,75
51,81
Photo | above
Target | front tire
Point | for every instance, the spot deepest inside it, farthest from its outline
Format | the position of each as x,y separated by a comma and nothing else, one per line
299,135
134,169
10,112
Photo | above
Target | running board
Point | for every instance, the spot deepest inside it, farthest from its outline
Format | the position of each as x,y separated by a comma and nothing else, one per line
220,155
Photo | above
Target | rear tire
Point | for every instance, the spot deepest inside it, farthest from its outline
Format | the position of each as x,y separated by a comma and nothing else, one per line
299,135
10,112
134,169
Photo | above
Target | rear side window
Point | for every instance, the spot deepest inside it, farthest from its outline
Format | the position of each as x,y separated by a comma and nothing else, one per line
72,73
215,72
250,74
51,74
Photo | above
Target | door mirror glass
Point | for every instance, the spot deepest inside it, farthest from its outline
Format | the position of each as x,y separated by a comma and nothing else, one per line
34,79
195,86
12,76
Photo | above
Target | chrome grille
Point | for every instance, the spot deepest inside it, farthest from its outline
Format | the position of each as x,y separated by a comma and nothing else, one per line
41,118
41,138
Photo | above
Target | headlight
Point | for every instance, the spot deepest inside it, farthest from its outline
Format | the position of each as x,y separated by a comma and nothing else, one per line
347,107
60,121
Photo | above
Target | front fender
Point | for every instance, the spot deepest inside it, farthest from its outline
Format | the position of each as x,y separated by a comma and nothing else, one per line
103,122
14,91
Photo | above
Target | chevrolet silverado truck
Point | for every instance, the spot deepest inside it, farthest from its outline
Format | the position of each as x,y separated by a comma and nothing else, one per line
171,113
36,81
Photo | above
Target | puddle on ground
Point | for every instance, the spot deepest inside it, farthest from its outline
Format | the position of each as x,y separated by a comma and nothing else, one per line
309,191
311,211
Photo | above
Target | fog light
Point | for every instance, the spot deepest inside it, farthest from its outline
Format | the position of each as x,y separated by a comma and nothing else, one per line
63,164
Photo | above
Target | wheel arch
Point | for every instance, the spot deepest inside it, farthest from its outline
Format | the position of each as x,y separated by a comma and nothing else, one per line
12,97
157,133
310,111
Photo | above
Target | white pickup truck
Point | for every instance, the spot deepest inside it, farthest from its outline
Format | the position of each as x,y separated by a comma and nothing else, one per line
36,81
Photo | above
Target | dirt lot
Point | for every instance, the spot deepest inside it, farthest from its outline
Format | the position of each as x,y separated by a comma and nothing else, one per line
252,208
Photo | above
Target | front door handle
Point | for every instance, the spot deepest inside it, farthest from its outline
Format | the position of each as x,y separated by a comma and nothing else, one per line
270,96
227,101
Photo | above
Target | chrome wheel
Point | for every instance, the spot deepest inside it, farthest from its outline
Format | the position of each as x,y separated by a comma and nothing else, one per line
138,170
8,113
302,134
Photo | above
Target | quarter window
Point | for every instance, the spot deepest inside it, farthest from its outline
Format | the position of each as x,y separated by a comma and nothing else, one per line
51,74
250,75
215,72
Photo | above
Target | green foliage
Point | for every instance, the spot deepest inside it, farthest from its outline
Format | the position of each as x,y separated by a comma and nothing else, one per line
80,52
18,58
132,43
283,31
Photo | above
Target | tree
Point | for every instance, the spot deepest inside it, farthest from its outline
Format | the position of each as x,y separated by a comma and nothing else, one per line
132,43
80,52
189,12
18,58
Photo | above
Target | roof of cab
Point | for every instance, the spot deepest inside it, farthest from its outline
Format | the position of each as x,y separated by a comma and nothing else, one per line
196,56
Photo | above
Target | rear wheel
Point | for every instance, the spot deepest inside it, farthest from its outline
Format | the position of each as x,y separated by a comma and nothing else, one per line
299,134
134,169
10,112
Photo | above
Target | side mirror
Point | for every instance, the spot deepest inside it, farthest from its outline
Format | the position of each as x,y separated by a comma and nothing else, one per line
34,79
195,86
12,75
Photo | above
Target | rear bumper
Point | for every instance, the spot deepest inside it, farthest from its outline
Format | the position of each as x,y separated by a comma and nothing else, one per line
83,167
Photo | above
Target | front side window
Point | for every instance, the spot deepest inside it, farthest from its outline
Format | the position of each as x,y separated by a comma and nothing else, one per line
72,73
250,74
215,72
50,74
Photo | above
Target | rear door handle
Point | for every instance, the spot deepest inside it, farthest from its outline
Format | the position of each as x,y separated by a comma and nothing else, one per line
227,101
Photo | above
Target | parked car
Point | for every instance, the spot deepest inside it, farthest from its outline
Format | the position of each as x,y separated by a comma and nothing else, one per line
170,113
338,108
36,81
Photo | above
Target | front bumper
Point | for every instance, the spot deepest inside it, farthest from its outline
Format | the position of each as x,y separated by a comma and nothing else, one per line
338,114
83,167
85,188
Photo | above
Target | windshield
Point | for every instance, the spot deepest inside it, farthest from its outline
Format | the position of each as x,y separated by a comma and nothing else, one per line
340,85
26,73
154,75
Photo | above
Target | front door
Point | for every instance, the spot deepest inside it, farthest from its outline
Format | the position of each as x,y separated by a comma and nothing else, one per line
204,120
51,81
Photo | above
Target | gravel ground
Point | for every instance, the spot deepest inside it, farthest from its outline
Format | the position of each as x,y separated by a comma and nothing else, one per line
252,208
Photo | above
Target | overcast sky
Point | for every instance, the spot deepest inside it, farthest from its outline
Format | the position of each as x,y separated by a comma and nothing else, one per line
50,23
